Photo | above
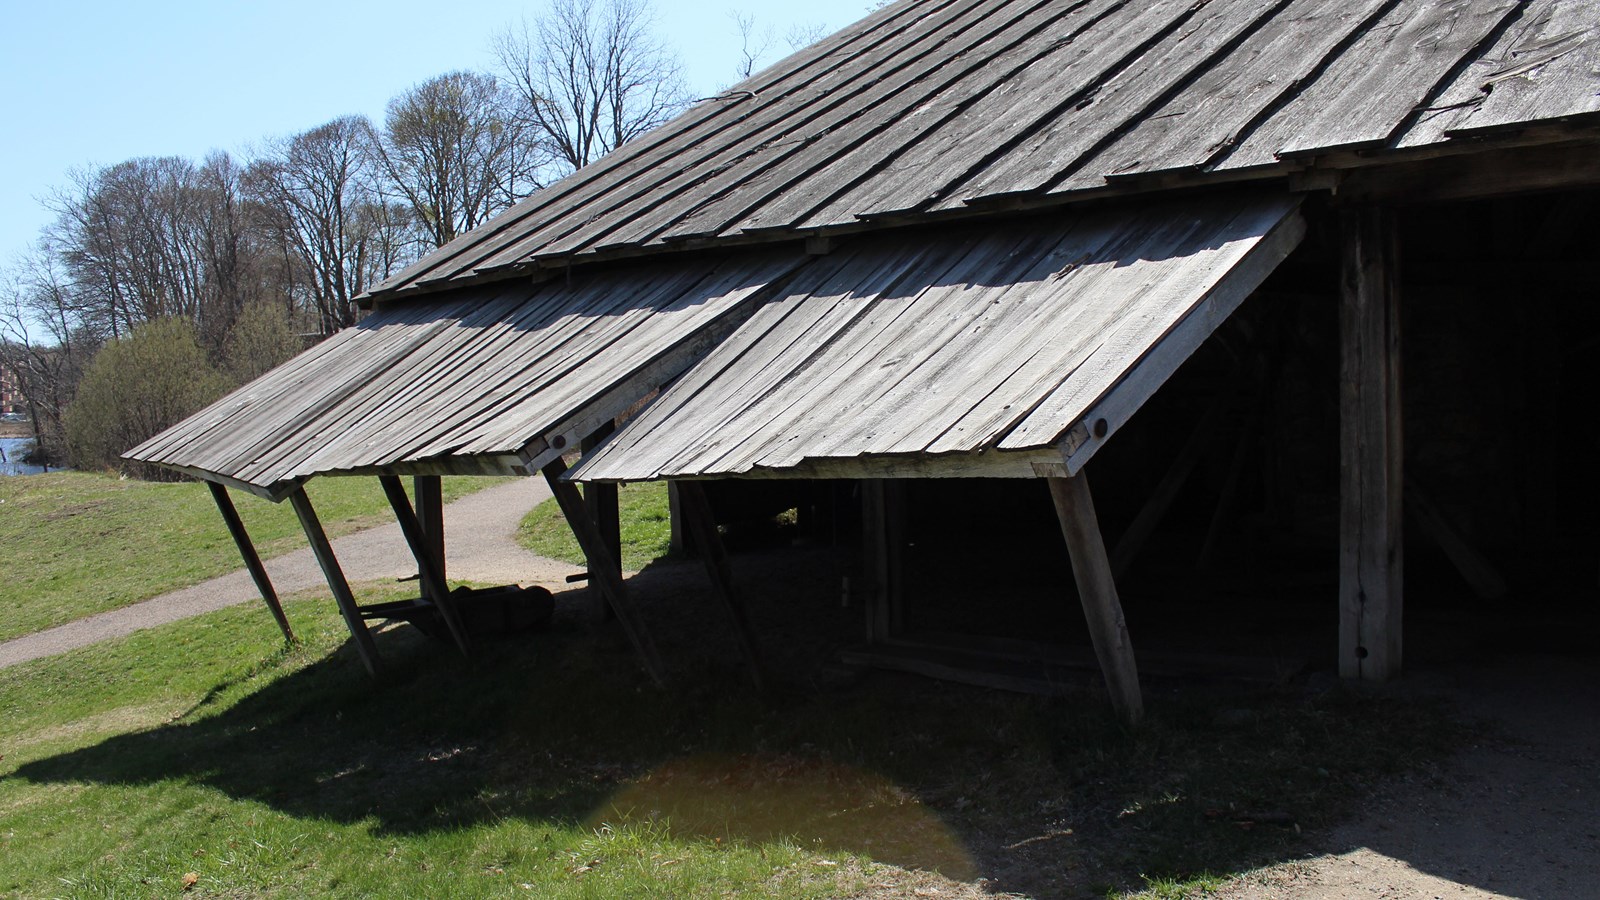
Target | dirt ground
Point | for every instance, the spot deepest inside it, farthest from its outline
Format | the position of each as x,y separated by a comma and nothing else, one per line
1511,815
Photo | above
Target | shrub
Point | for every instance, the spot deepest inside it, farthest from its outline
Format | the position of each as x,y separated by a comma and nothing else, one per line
135,388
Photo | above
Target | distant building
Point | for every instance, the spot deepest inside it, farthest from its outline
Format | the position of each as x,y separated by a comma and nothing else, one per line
11,400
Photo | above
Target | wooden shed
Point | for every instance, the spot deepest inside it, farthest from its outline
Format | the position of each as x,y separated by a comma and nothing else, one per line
973,239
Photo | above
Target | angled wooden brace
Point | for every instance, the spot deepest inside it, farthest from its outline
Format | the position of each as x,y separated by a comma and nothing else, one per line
335,577
703,526
1097,590
252,560
602,567
428,565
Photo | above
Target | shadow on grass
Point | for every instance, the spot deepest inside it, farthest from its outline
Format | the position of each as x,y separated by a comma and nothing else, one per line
1042,796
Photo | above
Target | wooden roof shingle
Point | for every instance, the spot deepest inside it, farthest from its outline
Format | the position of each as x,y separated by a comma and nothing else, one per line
948,107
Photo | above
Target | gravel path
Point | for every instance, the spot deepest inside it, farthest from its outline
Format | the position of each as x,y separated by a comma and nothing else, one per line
480,547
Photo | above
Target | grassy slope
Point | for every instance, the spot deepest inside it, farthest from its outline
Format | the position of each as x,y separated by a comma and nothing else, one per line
77,543
646,528
268,772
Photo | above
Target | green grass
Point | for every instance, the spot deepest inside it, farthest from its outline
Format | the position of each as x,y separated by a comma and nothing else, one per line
646,528
80,543
206,748
550,768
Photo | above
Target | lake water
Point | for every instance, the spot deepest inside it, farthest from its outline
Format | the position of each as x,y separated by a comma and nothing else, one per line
12,450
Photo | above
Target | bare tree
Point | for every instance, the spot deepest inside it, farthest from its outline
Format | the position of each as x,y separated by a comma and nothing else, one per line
154,238
453,149
756,41
590,76
44,345
753,43
316,196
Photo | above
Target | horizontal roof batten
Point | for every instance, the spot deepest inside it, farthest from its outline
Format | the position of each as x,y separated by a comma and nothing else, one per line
989,464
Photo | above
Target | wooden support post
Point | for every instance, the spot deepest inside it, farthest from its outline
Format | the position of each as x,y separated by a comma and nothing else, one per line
601,501
1097,590
429,568
252,560
604,569
883,536
342,594
429,491
703,525
677,543
1370,550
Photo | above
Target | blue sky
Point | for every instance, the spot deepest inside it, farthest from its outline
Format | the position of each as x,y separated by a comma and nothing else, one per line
91,84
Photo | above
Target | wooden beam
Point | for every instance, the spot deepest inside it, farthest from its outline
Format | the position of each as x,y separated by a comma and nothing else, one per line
983,464
342,594
485,464
252,560
275,493
1097,590
430,564
1490,173
1177,475
1480,574
603,569
1370,552
699,519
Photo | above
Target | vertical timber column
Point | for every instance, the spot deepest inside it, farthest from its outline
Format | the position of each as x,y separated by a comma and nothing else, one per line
601,501
883,536
1370,454
429,491
1097,590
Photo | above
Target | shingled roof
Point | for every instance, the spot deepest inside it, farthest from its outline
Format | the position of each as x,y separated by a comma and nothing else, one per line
948,108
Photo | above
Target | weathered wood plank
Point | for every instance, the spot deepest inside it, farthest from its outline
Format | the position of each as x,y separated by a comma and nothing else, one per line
1370,91
752,123
631,166
1160,343
1209,115
1138,83
1097,590
1370,533
702,200
859,156
1551,71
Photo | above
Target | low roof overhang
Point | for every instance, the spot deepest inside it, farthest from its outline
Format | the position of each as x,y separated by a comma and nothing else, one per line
1013,351
495,380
